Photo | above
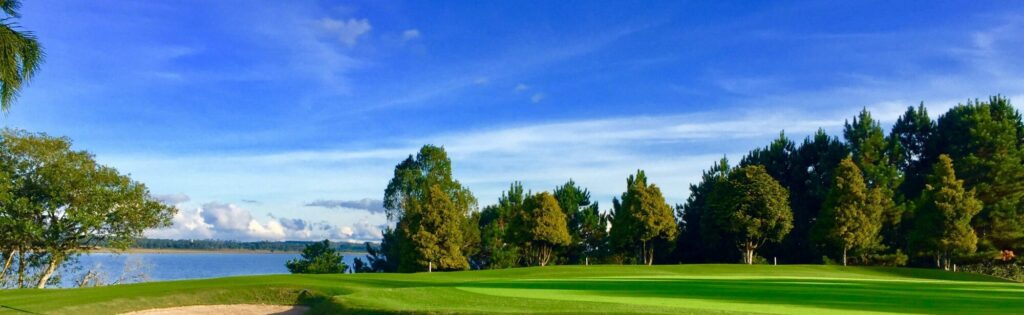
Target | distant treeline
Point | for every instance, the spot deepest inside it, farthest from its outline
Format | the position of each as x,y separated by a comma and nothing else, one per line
280,246
928,192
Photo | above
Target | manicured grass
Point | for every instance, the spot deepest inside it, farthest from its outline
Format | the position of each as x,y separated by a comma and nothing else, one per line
716,289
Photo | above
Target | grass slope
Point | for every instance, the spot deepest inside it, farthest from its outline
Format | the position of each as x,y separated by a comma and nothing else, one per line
716,289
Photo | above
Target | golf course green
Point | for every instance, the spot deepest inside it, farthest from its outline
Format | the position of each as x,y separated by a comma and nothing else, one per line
700,289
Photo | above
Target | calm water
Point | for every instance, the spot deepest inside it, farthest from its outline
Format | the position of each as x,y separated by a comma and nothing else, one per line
189,265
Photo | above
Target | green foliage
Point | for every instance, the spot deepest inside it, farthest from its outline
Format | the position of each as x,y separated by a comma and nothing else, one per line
318,257
852,215
877,157
20,57
500,247
430,209
912,133
642,216
944,215
582,220
984,138
57,202
753,208
699,239
542,226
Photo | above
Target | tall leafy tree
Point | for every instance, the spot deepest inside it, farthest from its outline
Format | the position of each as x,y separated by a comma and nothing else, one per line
575,202
753,208
429,209
876,156
943,224
20,55
851,217
542,225
643,217
61,201
984,138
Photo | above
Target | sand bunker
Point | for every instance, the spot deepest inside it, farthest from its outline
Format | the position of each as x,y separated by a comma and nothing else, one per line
238,309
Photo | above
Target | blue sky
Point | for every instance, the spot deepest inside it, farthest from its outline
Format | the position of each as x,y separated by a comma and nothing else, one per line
284,119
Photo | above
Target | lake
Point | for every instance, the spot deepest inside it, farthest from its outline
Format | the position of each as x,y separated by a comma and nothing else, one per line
177,266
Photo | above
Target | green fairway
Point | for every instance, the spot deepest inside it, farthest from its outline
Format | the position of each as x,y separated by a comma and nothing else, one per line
724,289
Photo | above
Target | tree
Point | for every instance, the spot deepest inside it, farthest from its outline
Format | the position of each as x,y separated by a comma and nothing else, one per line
876,157
20,57
699,239
542,225
318,257
851,217
912,133
497,248
642,217
985,138
813,171
945,210
753,208
575,202
59,202
429,209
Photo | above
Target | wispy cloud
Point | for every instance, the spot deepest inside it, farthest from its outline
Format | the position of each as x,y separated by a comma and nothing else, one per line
374,206
348,31
410,34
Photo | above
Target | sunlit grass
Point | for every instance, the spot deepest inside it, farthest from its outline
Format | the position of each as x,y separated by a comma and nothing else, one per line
568,289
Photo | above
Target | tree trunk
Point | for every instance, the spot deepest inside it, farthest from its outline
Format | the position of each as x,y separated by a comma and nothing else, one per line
430,266
7,265
54,262
543,255
748,252
21,268
844,256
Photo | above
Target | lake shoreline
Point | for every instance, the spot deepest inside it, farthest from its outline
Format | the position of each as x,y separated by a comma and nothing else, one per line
197,251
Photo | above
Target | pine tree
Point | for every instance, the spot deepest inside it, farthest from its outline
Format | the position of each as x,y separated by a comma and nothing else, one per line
813,171
698,239
985,138
851,217
944,216
876,157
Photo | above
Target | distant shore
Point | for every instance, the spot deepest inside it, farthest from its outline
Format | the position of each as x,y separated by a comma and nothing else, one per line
198,251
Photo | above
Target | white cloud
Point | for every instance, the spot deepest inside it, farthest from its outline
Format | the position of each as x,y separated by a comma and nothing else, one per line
347,31
537,97
227,221
410,34
521,88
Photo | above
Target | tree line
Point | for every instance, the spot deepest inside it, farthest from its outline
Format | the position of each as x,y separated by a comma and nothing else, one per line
929,192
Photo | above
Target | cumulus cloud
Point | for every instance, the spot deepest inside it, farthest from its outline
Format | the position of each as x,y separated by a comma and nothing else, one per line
347,31
372,205
410,34
215,220
172,199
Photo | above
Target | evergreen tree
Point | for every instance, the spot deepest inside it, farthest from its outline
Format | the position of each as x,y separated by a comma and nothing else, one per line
698,240
753,208
575,201
543,226
643,216
851,217
985,139
943,223
876,157
318,257
813,171
430,209
912,133
497,235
